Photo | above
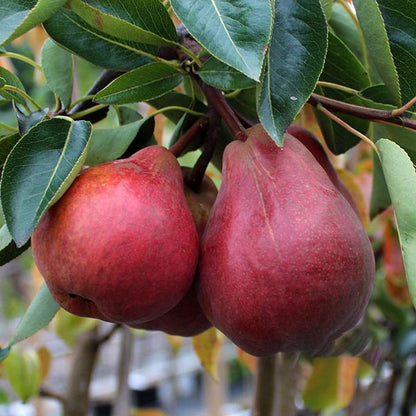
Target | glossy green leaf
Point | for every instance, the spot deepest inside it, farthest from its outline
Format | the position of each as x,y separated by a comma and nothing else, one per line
57,67
344,68
377,44
294,63
236,33
112,143
380,197
225,77
8,248
400,22
23,370
400,176
146,21
6,145
11,79
19,16
71,32
144,83
39,170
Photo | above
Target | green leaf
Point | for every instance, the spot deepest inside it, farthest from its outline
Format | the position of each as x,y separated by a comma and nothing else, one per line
8,248
71,32
6,145
400,22
236,33
220,75
377,44
110,144
39,313
380,197
11,79
144,83
400,176
39,170
294,62
57,67
19,16
141,21
23,370
344,68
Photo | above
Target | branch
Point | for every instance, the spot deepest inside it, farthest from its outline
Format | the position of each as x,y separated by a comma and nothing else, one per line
217,100
371,114
180,145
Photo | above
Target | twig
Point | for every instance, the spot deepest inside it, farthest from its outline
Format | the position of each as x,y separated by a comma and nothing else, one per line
179,146
216,99
196,176
404,108
371,114
265,386
106,337
45,392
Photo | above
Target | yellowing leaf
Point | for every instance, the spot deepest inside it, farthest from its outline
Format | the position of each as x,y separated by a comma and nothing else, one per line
45,358
23,370
207,347
147,412
68,326
250,361
175,342
331,385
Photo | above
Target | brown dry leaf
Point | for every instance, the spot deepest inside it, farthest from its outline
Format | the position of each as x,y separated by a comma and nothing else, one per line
349,180
331,384
250,361
207,347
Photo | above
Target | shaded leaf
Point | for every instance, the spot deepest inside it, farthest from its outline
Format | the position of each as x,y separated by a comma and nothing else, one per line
45,357
223,76
144,83
110,144
6,145
22,15
400,176
8,248
377,44
57,67
400,21
207,347
331,385
71,32
38,171
293,65
236,33
10,79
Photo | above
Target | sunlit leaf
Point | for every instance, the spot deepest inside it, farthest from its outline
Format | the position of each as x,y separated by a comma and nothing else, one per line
400,176
207,347
331,385
39,170
236,33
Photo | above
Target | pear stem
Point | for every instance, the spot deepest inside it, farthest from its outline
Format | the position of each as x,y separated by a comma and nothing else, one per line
196,176
216,98
180,145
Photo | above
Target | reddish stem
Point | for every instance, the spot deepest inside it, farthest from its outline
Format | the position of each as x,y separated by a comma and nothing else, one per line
216,98
178,147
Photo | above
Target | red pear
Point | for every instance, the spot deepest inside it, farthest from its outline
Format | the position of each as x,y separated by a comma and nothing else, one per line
121,244
285,264
315,147
186,318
